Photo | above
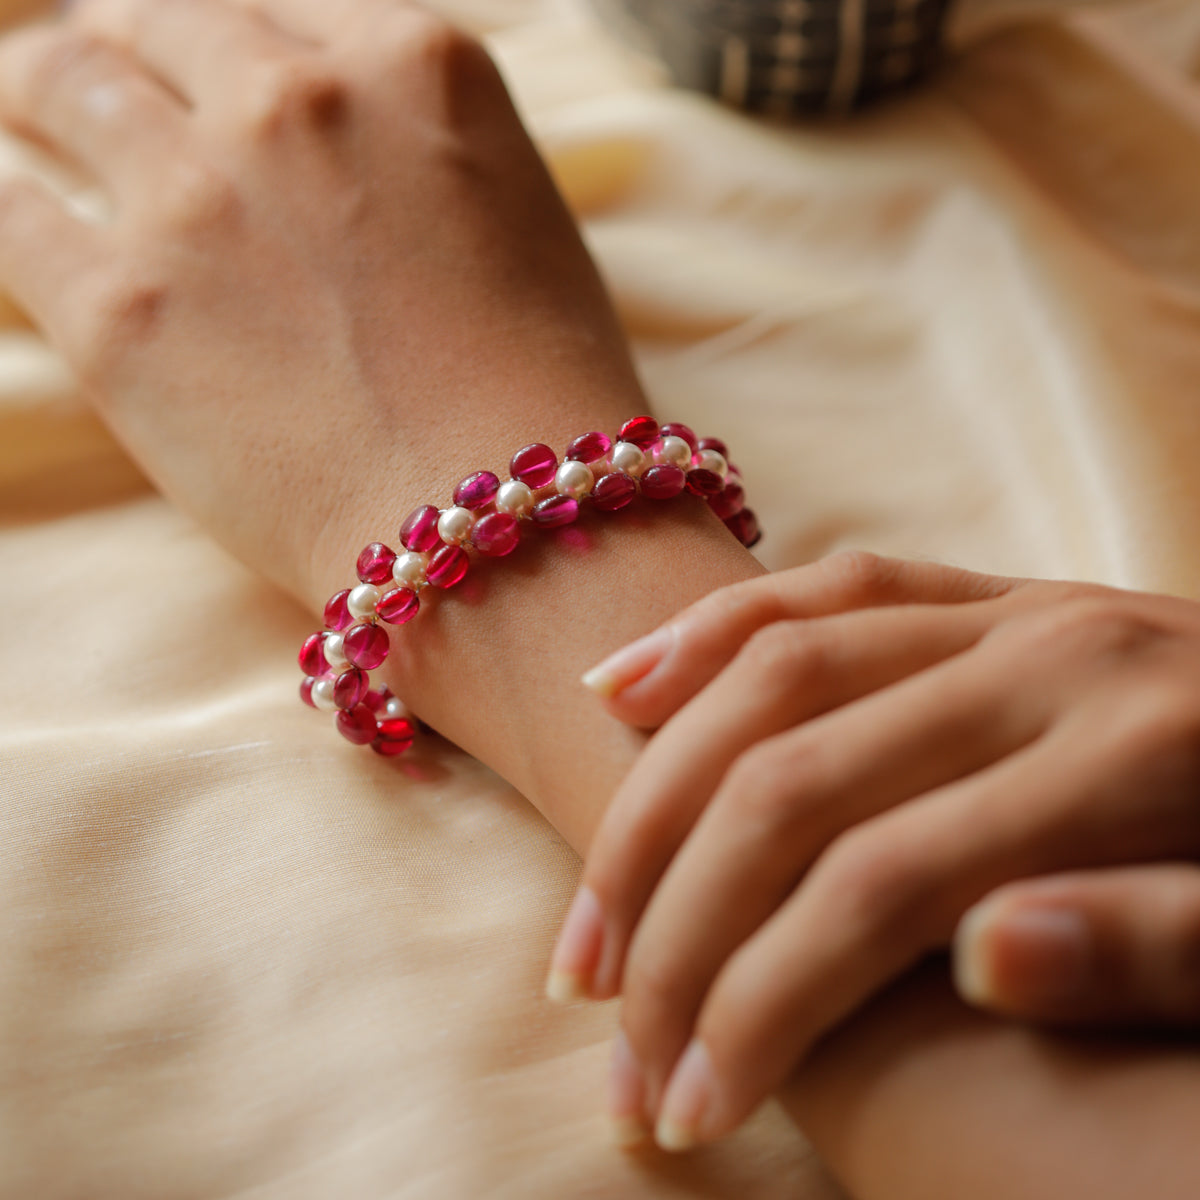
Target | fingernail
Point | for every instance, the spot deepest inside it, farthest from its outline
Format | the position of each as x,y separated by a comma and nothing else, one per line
688,1098
629,664
1009,954
577,950
626,1095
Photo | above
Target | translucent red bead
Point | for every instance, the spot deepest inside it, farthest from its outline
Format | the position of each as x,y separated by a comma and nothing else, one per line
350,688
394,736
713,444
447,566
613,492
704,483
476,490
496,535
555,511
731,499
663,482
306,687
312,655
337,612
398,606
366,646
357,725
641,431
375,563
744,526
419,531
534,465
589,447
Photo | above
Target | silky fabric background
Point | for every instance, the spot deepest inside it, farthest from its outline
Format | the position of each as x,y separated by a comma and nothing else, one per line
240,957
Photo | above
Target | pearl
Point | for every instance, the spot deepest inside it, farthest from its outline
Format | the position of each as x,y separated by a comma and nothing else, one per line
627,458
335,653
361,601
409,569
711,460
322,694
574,479
395,707
454,525
515,498
674,452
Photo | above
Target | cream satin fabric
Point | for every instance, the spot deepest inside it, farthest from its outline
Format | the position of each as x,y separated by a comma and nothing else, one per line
242,958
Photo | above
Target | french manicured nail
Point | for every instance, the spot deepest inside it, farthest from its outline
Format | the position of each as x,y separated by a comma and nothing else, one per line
629,664
626,1096
577,950
688,1097
1007,954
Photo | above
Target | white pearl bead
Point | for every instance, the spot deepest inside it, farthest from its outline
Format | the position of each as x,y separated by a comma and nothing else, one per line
395,707
334,650
322,695
409,569
574,479
362,600
455,524
628,458
675,452
710,460
515,498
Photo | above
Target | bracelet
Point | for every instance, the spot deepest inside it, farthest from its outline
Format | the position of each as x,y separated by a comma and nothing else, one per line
486,515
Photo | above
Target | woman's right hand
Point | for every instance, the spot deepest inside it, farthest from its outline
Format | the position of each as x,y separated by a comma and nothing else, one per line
336,271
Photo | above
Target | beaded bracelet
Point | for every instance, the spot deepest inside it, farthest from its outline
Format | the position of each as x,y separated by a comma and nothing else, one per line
659,462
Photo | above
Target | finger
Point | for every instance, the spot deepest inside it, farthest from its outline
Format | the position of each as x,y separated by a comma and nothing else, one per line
1119,947
645,682
91,102
325,21
780,805
893,888
199,48
788,673
44,251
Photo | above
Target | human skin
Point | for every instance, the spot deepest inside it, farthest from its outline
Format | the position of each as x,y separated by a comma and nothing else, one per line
337,279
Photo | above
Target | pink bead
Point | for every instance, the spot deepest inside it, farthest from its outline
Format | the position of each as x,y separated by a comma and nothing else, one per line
713,444
661,483
375,563
306,686
589,447
555,511
496,535
731,499
375,699
613,491
704,483
337,613
312,655
534,465
357,725
395,736
675,429
398,606
365,646
476,490
350,687
419,531
744,527
641,431
447,566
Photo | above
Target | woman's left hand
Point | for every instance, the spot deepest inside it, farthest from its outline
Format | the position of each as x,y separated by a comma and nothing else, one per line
856,759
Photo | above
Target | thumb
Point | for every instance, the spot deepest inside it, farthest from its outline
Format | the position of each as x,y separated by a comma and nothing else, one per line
1110,947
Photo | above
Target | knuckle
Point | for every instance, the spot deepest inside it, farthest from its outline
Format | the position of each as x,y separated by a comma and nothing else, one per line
772,787
294,94
1093,625
860,575
198,197
120,312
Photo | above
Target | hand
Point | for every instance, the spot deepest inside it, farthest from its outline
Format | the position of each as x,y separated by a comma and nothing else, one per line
852,757
332,250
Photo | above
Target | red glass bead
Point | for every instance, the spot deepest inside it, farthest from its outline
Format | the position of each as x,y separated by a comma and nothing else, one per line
350,688
357,725
496,535
613,491
744,526
534,465
306,685
398,606
395,736
447,566
419,531
675,429
704,483
589,447
641,431
375,699
663,482
312,655
337,613
713,444
476,490
365,646
555,511
731,499
375,563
